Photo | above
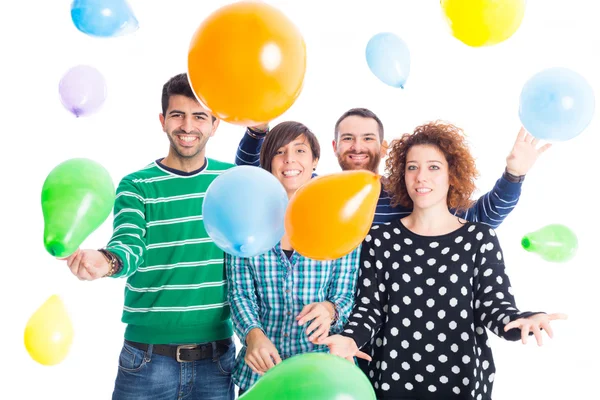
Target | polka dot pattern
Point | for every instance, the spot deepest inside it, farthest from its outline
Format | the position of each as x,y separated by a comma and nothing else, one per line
441,295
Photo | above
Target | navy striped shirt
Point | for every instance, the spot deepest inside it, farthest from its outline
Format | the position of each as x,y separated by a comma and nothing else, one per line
491,208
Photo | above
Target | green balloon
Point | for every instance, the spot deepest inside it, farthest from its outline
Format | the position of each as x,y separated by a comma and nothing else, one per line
77,197
554,243
314,376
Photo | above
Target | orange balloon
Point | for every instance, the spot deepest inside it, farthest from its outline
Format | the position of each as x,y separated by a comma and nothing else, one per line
330,216
246,63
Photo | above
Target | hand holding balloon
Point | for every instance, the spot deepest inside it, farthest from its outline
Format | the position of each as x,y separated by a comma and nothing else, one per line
77,197
88,265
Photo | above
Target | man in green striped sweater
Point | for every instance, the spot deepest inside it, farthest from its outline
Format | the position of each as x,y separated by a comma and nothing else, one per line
178,340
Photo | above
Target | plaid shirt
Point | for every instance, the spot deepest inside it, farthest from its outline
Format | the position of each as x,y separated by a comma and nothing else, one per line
268,291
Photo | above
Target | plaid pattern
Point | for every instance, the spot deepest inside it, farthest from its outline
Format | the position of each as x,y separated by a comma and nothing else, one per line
268,292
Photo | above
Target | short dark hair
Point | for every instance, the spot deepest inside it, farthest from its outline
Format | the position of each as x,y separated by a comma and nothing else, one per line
177,85
283,134
359,112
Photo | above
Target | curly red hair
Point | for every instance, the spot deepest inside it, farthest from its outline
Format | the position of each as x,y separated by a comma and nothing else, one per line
448,139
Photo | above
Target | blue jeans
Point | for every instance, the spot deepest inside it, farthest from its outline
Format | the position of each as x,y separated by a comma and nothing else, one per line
146,376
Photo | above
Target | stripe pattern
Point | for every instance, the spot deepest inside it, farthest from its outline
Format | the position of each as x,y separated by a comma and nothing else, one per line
175,272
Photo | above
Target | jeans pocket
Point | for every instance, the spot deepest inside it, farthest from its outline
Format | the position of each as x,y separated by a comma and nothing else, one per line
131,359
226,361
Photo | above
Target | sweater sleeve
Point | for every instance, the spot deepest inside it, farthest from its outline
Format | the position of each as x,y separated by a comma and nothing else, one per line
495,304
493,207
248,152
367,316
128,241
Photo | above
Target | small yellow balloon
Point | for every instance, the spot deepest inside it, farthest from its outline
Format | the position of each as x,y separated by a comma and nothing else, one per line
480,23
49,333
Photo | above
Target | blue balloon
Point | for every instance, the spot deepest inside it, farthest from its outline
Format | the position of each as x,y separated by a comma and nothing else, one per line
388,58
244,211
556,104
103,18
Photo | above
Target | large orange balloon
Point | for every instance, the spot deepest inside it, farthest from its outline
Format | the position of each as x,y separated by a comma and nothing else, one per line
246,63
330,216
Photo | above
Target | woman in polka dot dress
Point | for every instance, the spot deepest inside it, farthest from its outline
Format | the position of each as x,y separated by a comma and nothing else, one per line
431,283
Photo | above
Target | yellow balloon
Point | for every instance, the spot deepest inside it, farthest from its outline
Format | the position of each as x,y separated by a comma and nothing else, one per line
49,333
483,22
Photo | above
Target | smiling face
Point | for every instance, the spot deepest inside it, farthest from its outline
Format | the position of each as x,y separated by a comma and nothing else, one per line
293,164
188,126
427,176
358,144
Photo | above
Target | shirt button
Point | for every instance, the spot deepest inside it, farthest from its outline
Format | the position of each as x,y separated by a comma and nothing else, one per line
287,290
285,335
289,313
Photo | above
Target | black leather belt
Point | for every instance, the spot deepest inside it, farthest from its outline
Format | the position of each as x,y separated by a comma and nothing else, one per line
185,352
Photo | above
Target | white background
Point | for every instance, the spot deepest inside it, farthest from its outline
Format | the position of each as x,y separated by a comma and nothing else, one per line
477,89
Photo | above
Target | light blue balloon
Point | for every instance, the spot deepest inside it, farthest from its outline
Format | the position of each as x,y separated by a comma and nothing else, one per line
556,104
244,211
103,18
388,58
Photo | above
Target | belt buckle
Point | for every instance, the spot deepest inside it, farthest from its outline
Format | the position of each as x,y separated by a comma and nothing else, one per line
186,347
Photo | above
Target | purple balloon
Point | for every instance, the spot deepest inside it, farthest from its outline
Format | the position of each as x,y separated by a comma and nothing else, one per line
82,90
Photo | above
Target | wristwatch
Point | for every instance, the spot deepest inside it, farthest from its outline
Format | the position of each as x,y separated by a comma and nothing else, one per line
115,263
336,315
256,133
513,178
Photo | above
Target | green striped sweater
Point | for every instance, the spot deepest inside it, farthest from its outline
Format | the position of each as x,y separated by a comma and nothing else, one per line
176,290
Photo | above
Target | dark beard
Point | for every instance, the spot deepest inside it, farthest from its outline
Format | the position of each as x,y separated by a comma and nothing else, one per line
372,165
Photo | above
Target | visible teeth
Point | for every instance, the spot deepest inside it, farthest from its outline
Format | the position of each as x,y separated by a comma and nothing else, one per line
187,138
293,172
423,190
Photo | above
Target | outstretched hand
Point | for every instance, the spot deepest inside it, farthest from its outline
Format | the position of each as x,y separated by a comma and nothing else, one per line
534,324
524,153
344,347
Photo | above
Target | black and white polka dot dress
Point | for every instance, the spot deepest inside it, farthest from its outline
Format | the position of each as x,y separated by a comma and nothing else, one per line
426,302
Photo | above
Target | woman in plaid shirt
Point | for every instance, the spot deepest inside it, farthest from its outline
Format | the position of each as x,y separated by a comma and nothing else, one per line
282,302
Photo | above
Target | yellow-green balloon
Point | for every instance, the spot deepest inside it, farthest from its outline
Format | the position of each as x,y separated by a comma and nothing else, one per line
77,197
314,376
554,243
